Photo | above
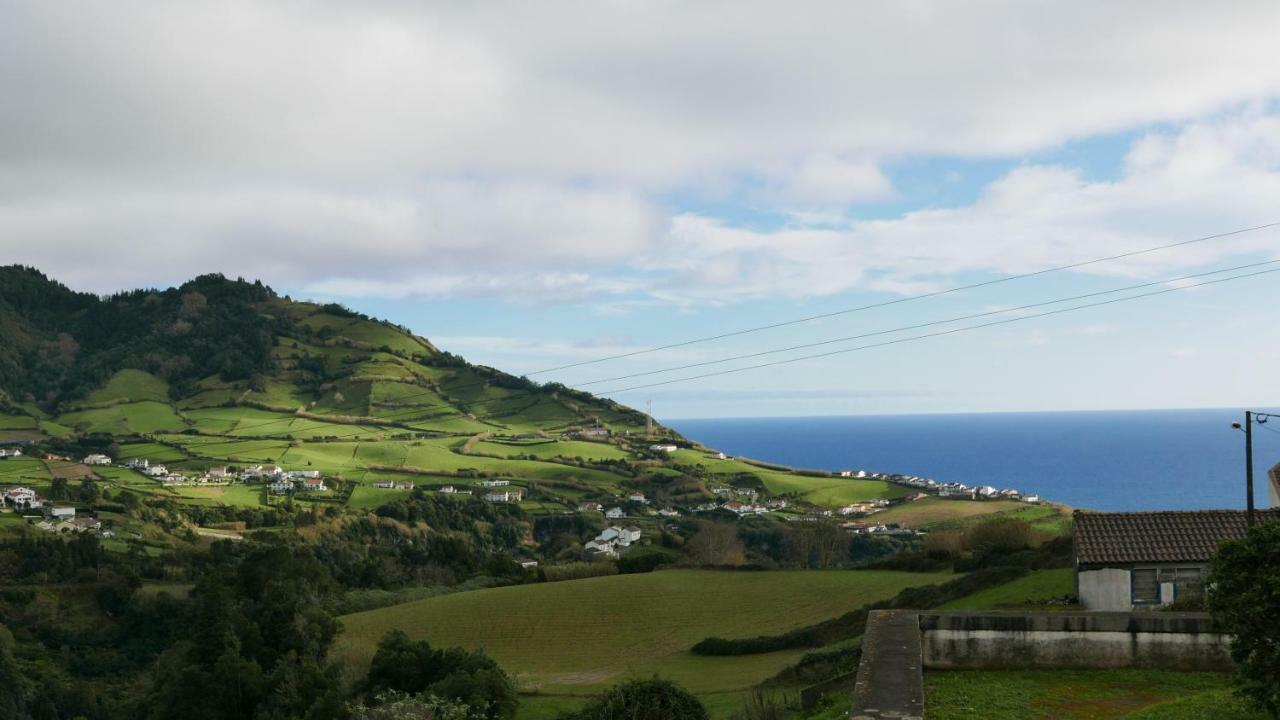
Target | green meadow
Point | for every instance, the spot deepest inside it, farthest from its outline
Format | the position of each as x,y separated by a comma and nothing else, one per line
579,636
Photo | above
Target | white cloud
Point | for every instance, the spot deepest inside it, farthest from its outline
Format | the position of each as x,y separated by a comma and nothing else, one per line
1207,178
525,150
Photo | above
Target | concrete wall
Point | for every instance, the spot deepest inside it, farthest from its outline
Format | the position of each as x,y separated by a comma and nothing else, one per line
1106,589
1174,641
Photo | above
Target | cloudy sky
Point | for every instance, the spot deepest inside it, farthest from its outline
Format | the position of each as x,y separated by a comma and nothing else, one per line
539,184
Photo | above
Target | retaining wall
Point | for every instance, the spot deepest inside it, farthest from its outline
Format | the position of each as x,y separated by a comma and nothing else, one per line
1172,641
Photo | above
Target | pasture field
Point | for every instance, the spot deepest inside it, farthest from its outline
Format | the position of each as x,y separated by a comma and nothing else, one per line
17,422
579,636
932,510
1110,694
131,386
1031,589
252,422
14,470
555,448
147,416
828,491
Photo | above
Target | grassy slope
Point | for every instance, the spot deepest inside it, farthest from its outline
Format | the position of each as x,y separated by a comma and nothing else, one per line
579,636
1053,694
379,371
1031,589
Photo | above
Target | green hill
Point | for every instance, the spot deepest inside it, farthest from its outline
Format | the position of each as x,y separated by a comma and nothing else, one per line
220,372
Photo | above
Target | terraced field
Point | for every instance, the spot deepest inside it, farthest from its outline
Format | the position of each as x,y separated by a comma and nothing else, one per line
578,636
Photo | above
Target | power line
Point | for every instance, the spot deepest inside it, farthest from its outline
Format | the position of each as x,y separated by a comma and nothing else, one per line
409,414
920,337
937,334
710,338
897,341
932,323
912,298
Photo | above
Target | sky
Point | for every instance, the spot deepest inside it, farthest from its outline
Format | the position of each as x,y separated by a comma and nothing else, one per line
533,185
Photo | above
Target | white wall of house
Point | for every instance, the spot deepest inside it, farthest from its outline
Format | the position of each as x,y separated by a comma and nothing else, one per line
1104,589
1273,487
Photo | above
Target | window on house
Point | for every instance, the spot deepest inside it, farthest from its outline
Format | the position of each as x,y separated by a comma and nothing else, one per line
1145,587
1188,583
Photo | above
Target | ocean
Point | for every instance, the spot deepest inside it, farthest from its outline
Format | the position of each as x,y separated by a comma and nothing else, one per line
1113,460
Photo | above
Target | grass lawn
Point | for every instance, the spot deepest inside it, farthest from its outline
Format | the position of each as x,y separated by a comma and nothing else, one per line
1212,705
148,416
561,448
15,470
933,510
131,385
580,636
1030,589
17,422
1062,694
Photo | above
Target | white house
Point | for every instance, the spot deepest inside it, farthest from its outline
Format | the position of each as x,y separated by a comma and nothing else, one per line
138,463
669,512
590,507
1144,560
220,472
613,513
502,496
6,453
638,497
22,497
494,483
313,484
155,470
448,490
281,487
666,448
97,459
628,535
384,485
62,513
303,474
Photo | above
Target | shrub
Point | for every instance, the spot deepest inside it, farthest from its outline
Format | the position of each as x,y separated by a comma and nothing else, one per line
1244,602
1000,535
643,700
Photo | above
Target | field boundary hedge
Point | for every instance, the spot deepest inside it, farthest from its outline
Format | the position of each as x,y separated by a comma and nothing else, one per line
852,624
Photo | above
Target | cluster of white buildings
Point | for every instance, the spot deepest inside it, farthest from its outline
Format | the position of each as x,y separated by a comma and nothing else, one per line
953,490
279,481
509,495
744,508
865,508
613,540
392,485
57,518
6,453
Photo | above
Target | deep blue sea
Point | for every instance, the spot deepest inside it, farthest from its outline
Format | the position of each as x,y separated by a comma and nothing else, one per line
1115,460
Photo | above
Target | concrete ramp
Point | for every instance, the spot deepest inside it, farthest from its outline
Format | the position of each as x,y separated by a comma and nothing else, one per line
890,680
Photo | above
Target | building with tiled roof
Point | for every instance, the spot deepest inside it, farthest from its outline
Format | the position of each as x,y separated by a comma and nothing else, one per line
1136,560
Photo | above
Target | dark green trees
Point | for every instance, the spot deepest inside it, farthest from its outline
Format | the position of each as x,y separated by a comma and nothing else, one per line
1245,601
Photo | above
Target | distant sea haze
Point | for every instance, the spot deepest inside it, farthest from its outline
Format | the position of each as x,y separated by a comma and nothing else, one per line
1114,460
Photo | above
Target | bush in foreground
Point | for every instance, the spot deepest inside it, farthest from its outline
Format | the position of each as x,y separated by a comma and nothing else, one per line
643,700
1246,602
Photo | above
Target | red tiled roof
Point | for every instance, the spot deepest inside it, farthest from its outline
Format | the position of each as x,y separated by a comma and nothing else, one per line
1137,537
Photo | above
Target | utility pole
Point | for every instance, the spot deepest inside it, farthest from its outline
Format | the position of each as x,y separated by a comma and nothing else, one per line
648,420
1248,461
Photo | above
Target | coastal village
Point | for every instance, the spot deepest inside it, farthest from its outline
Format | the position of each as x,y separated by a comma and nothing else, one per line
614,541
